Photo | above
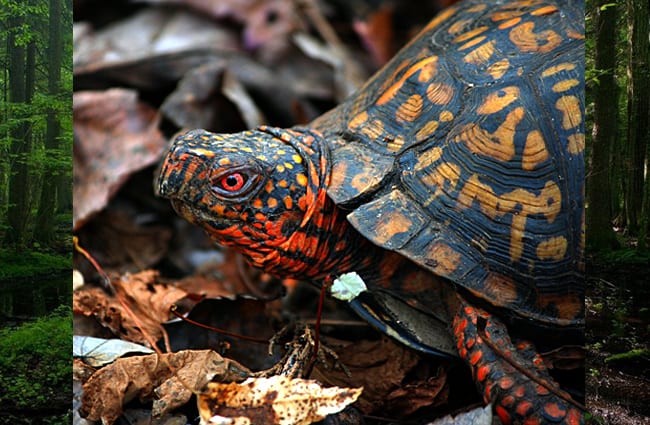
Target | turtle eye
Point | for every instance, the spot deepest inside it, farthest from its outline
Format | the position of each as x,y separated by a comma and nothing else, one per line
233,182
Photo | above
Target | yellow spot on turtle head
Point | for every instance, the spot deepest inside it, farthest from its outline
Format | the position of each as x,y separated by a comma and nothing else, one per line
288,165
281,151
246,149
301,179
261,157
297,159
279,168
224,161
204,152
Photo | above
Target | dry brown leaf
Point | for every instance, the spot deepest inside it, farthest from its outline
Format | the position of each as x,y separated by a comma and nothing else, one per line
115,135
109,389
379,366
147,298
276,400
413,396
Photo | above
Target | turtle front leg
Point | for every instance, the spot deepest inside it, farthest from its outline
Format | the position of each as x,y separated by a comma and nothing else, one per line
515,397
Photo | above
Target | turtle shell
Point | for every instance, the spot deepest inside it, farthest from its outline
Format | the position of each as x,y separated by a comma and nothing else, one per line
465,154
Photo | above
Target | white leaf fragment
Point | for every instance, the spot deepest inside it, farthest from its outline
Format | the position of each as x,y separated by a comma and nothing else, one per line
348,286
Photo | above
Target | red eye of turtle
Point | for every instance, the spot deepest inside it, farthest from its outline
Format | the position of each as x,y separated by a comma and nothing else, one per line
233,182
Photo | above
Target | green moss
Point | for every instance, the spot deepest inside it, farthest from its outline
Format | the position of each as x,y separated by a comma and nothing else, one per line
24,264
35,364
629,355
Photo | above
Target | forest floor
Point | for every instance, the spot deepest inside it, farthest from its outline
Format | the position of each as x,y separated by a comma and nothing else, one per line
618,331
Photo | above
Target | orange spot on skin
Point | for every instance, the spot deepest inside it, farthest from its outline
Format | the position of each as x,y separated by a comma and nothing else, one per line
503,415
574,417
554,410
301,179
260,217
508,401
524,407
288,202
268,187
506,382
272,202
520,391
475,357
224,161
482,373
257,203
472,43
524,37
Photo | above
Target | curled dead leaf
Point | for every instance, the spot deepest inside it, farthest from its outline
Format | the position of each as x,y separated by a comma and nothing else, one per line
276,400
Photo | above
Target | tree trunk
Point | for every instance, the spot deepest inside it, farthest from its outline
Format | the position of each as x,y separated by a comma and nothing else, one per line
638,113
18,208
600,235
638,104
45,218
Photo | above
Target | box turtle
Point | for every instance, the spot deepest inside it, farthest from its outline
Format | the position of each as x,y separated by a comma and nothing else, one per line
452,182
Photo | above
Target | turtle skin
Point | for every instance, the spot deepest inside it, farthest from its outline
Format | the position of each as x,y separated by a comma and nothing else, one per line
452,182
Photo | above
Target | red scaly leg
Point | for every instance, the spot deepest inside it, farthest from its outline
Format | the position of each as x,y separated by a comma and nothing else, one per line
516,398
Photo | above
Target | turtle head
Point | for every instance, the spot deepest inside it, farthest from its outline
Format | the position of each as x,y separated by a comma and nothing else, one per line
251,190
